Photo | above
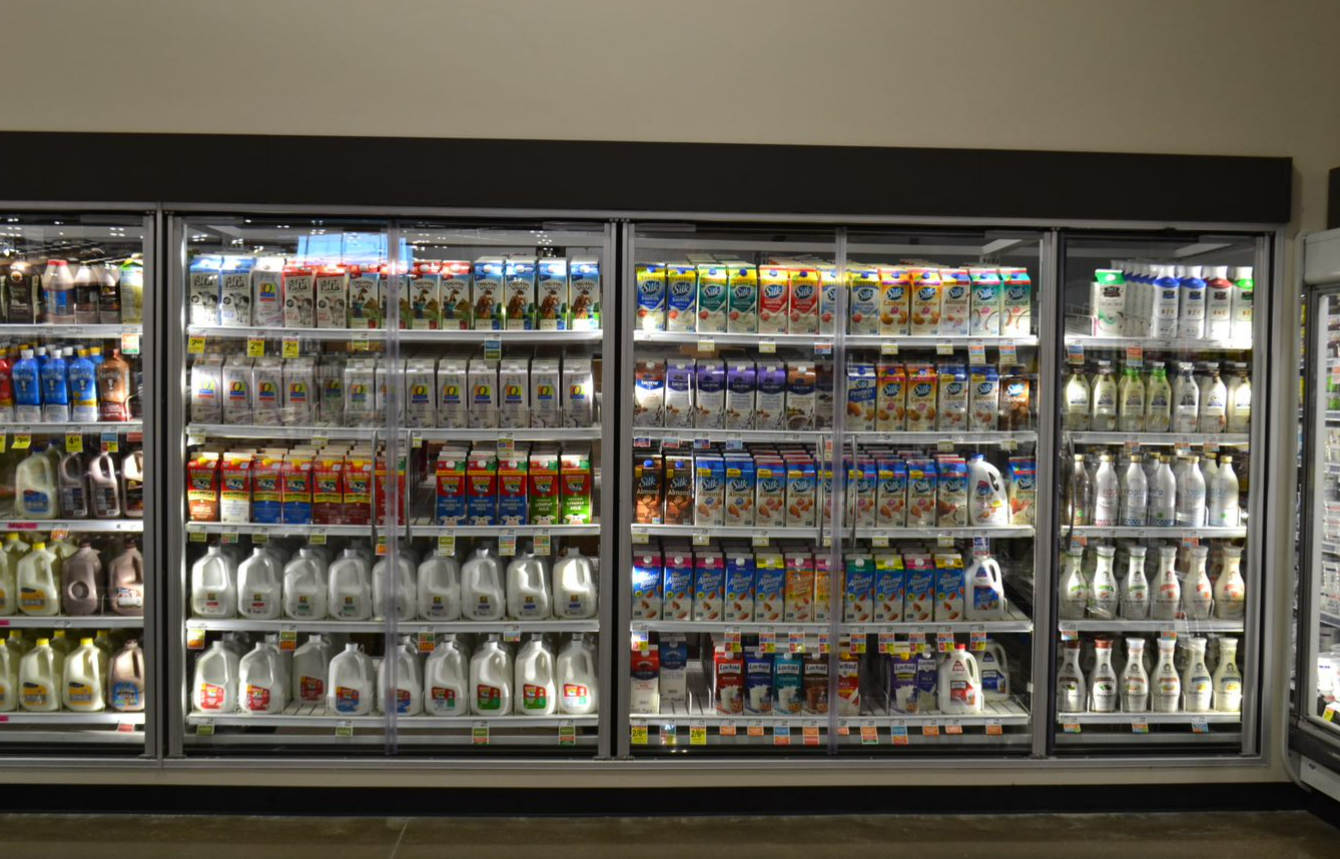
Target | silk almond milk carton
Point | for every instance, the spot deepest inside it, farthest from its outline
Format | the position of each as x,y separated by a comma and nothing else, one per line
803,314
774,299
486,294
798,597
713,298
927,302
769,587
955,302
863,300
681,295
895,289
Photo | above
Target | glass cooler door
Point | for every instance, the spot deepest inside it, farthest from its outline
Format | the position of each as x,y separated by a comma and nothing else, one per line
76,606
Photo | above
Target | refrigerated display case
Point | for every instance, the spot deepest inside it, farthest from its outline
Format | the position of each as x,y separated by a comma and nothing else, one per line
77,394
390,500
1160,480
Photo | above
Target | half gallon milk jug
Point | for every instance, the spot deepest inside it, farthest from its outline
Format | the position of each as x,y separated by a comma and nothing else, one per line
83,686
351,686
9,577
408,693
258,586
986,590
986,494
261,688
125,582
125,679
214,585
81,582
482,587
9,680
534,690
305,589
72,482
39,679
215,686
446,680
35,488
311,667
577,678
960,683
39,591
104,489
995,671
132,485
528,596
440,587
350,595
406,593
491,679
575,586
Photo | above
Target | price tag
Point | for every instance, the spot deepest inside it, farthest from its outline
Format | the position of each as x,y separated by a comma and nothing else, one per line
1200,726
767,640
917,642
255,347
640,641
767,347
809,734
493,349
638,734
977,640
733,639
1074,353
981,547
945,445
204,729
74,442
823,347
953,727
976,352
945,541
288,638
880,541
22,441
697,734
944,348
199,537
506,446
416,441
130,344
706,344
260,537
507,543
701,538
317,538
886,642
479,734
844,645
3,435
360,343
726,729
811,642
446,544
229,537
755,729
858,639
567,734
898,733
795,640
888,348
759,540
542,543
320,440
1071,727
109,442
289,348
1009,444
781,735
944,641
427,642
734,442
669,734
1008,354
828,541
511,632
869,734
639,536
1139,727
825,644
195,639
381,545
1068,632
642,441
193,440
994,728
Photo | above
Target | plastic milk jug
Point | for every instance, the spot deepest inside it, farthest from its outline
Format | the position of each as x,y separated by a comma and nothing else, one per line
82,690
214,585
35,488
311,666
406,593
960,683
351,687
125,679
575,588
491,679
440,587
986,590
482,587
39,678
528,596
534,690
408,693
39,591
446,680
215,686
259,581
350,595
577,678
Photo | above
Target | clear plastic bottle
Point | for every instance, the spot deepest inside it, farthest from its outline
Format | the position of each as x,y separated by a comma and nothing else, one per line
1074,585
1158,399
1079,493
1186,400
1076,414
1239,399
1214,405
1104,595
1131,401
1134,494
1163,496
1223,496
1197,682
1191,495
1227,678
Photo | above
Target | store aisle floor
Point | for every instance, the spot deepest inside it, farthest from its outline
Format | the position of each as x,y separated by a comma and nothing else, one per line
1207,835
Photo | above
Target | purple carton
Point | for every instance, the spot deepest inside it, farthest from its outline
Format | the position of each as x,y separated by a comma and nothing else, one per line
739,587
709,410
741,382
770,397
679,375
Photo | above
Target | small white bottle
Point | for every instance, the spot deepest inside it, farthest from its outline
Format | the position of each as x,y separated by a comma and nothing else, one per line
1104,596
1167,301
1158,399
1243,288
1074,586
1070,686
1239,399
1076,414
1191,307
1107,494
1167,586
1190,494
1134,678
1197,682
1134,494
1227,678
1224,511
1103,399
1167,685
1163,496
1214,405
1135,587
1186,400
1197,594
1103,687
1230,591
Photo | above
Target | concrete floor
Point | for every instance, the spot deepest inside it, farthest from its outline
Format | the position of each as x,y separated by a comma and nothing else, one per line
1208,835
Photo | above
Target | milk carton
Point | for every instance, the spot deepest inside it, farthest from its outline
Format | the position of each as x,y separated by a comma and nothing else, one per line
235,497
680,374
514,394
798,596
267,303
296,489
919,589
823,394
814,680
452,490
235,292
299,297
828,297
953,415
710,397
801,488
675,504
648,489
674,653
955,302
267,392
823,587
709,491
888,590
927,300
575,473
681,296
512,486
863,299
769,587
890,398
922,391
709,586
891,494
651,299
584,294
237,391
482,378
365,298
849,685
330,392
332,297
388,374
985,302
677,586
743,302
1022,476
644,689
859,590
862,405
453,400
894,301
770,491
949,587
424,311
713,298
739,606
922,480
1016,308
649,394
545,488
207,391
519,294
421,394
740,489
203,289
481,475
951,492
758,684
770,396
486,294
774,296
546,401
741,382
551,294
646,584
728,683
804,300
456,287
800,395
984,406
786,684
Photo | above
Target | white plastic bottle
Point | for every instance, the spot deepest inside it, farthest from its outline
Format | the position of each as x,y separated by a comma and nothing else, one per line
446,680
1167,303
577,690
1191,495
406,590
9,575
1227,678
535,689
1230,591
1134,494
528,593
39,582
1243,289
259,585
959,684
440,587
1163,496
350,594
1197,593
985,597
36,494
351,687
1191,308
1239,400
84,686
9,680
1104,694
1224,510
576,591
1158,399
408,690
1167,683
1135,587
214,585
1214,406
39,679
1071,694
1131,401
1218,303
987,504
1104,595
1197,682
305,589
1107,494
1167,586
482,596
311,667
1186,400
1076,414
1134,678
1103,417
491,679
261,687
214,689
104,487
1074,586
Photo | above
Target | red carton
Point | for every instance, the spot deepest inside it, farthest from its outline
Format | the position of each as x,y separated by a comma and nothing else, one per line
328,490
357,479
202,474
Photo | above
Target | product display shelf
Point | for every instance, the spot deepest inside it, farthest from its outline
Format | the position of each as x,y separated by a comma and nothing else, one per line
891,343
1330,548
425,527
66,718
1155,344
103,332
708,532
316,716
83,427
721,627
1329,619
1180,718
644,436
279,529
1159,439
707,341
92,621
82,526
1014,621
931,533
1181,627
1151,533
1333,417
994,713
231,332
312,433
1004,439
587,337
517,627
529,434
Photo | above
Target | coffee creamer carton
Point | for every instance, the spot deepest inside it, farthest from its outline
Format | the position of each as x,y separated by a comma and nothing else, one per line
551,294
584,305
486,294
519,294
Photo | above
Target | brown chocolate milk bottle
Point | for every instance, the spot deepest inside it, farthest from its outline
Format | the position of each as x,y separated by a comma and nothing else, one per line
125,679
81,582
125,582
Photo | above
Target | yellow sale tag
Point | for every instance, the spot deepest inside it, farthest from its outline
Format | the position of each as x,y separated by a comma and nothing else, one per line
944,348
381,546
195,345
205,729
639,735
199,537
195,639
697,734
344,730
3,436
260,538
288,639
255,347
446,544
317,538
479,734
290,349
22,441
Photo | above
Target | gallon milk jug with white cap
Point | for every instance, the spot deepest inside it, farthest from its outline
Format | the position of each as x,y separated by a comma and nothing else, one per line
491,679
39,589
35,490
446,680
259,581
960,683
261,688
528,596
995,670
81,582
350,594
214,585
82,690
986,590
214,689
9,680
125,679
408,693
534,690
104,488
577,678
311,666
482,587
406,592
575,588
283,659
986,494
10,554
305,589
39,679
125,582
440,587
351,686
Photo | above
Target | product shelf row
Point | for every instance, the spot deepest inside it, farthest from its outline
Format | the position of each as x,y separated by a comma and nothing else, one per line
93,621
516,627
379,335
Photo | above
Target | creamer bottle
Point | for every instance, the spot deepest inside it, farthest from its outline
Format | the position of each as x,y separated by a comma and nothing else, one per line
1076,414
1071,696
1104,597
1167,683
114,388
81,582
440,587
1244,285
446,680
491,679
408,690
482,586
1135,587
1223,494
35,491
1197,594
577,690
1197,683
259,581
82,690
1074,585
528,594
351,686
1131,401
104,489
9,680
39,679
1134,678
55,389
39,585
1167,586
305,589
1107,494
1191,307
1158,399
1134,494
1104,695
83,385
9,577
1227,678
1103,398
1163,496
1186,400
406,594
575,586
1230,591
1218,303
1214,406
1239,400
534,688
125,679
350,594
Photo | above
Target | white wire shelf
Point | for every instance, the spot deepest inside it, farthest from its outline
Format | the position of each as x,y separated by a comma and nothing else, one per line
1159,439
713,626
256,431
520,627
240,332
718,531
495,531
82,526
708,341
281,529
700,710
92,621
518,434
